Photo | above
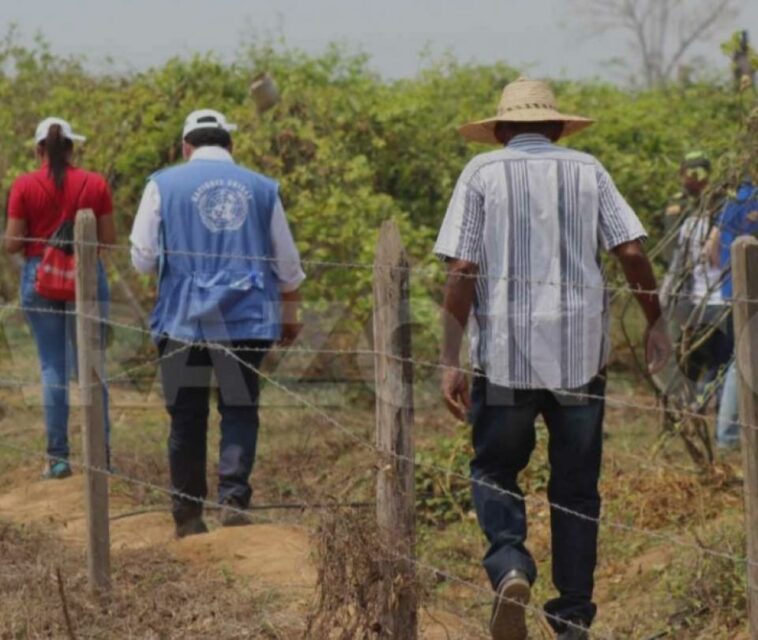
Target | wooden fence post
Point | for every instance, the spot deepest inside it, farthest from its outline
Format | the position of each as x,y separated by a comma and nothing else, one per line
396,495
89,353
745,279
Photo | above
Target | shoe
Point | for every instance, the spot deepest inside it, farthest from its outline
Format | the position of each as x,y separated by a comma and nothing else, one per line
57,470
233,514
575,631
191,527
509,610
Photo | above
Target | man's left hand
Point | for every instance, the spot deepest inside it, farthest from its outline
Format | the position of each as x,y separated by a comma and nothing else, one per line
456,393
658,348
290,333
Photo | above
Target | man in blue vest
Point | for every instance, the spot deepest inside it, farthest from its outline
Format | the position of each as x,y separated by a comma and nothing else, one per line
228,280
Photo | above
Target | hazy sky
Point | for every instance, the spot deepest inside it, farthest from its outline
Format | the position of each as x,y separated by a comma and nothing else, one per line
544,36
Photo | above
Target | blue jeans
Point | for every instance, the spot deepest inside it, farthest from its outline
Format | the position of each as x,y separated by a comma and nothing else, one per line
54,329
186,377
503,423
727,425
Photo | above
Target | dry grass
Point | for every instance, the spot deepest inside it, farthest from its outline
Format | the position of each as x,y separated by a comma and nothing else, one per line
348,559
642,583
154,597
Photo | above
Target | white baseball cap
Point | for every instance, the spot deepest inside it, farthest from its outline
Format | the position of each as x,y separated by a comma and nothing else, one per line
44,126
206,119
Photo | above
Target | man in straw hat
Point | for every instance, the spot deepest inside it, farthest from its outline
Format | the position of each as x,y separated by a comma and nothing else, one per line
522,238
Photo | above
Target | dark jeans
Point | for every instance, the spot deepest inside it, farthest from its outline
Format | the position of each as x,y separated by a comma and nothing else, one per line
186,379
504,437
706,362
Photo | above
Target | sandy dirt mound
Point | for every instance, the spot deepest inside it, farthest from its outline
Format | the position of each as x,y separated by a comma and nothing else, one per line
275,556
60,502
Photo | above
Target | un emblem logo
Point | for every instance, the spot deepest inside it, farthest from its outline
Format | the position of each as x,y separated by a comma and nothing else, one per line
222,205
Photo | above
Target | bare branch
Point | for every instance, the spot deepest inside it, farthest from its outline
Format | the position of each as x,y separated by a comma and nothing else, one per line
699,30
663,31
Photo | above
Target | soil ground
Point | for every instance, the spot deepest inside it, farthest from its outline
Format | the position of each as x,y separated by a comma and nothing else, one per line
258,581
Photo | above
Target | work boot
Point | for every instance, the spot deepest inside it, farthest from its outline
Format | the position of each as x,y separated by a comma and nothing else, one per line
57,470
233,514
191,527
574,631
509,610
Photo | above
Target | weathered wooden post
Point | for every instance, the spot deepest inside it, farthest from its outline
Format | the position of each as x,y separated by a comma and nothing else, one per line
745,277
396,493
91,376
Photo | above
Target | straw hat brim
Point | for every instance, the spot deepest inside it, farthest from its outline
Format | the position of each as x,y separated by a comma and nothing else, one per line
484,130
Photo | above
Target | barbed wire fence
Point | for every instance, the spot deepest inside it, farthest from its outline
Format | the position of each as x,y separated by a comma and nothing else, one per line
359,437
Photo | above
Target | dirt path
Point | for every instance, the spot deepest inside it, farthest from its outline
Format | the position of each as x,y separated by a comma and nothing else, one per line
277,557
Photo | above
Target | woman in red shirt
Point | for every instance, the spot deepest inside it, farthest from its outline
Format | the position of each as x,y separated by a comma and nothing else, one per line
37,204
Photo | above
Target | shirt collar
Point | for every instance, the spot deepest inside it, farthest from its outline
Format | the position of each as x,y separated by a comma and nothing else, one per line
212,153
529,140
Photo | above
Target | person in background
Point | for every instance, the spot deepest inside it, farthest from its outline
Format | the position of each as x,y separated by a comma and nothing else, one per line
739,218
37,203
522,238
708,321
228,280
694,174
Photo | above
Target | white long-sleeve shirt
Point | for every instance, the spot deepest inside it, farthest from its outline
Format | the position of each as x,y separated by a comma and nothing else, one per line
145,236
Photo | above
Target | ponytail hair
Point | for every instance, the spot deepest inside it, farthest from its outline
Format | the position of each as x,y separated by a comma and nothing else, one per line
57,149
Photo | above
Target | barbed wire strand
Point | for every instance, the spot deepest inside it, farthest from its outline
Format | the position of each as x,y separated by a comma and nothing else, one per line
579,395
211,504
577,514
430,270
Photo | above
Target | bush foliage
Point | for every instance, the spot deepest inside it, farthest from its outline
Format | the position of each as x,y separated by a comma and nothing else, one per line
349,148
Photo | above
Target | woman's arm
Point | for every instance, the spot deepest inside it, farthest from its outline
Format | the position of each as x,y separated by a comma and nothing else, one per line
15,235
106,230
106,226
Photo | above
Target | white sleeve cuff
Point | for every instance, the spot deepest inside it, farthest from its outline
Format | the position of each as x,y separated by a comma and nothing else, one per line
292,284
286,258
144,261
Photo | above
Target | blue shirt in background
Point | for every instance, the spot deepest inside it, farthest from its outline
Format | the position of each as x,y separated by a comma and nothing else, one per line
739,218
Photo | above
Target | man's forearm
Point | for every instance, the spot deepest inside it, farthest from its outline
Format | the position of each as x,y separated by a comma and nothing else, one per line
639,274
290,306
459,298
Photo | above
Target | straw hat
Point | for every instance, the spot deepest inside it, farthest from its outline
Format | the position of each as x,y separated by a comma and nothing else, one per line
524,100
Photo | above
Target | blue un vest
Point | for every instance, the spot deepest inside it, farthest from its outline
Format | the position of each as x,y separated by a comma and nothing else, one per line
216,280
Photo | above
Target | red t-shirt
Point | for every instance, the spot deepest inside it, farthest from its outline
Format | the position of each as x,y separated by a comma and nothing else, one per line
35,198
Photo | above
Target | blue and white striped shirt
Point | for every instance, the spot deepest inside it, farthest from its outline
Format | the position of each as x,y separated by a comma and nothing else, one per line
534,216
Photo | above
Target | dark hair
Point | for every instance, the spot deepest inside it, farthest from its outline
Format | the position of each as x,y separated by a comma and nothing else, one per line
210,137
58,150
550,129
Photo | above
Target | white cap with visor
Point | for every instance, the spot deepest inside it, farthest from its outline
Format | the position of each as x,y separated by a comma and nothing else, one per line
206,119
44,127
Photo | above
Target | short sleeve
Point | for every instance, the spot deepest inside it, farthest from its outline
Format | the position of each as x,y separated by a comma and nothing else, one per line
16,208
617,221
462,232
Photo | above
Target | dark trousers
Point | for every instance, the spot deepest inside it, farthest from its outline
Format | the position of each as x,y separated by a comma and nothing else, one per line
186,379
714,354
504,437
